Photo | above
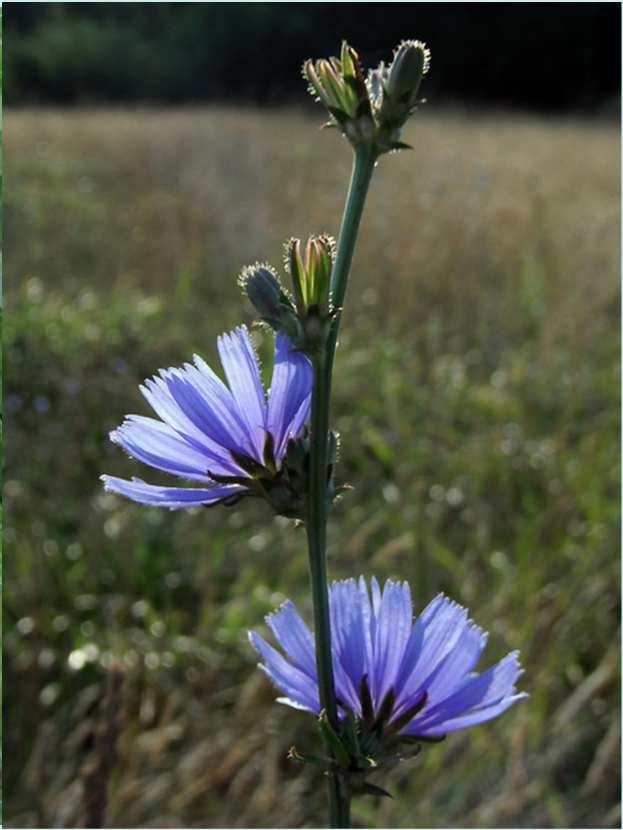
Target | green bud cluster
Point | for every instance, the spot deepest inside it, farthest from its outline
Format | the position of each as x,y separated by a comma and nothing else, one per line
340,85
370,112
306,316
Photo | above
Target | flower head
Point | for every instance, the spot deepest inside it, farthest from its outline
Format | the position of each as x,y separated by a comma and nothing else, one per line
397,678
233,442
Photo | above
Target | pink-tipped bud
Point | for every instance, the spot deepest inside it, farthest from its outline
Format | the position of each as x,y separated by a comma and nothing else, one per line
339,84
310,269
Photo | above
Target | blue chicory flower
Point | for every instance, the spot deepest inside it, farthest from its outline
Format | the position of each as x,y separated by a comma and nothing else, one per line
419,673
228,440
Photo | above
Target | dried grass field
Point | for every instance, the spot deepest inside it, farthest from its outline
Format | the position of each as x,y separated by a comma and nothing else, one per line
477,398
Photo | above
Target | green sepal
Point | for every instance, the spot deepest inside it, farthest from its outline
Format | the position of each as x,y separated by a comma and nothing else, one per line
354,84
399,757
269,452
349,728
385,711
340,116
367,707
243,480
373,789
399,723
305,758
364,108
230,501
337,747
249,465
297,456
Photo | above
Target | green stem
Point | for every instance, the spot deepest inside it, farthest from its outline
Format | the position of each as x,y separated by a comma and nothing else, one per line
363,166
317,536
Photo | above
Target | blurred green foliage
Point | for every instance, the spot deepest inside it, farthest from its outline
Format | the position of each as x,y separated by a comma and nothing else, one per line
477,397
537,56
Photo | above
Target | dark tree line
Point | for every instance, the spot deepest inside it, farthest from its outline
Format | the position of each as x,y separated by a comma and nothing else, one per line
546,56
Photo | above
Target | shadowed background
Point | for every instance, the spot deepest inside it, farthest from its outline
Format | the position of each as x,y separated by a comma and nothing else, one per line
476,394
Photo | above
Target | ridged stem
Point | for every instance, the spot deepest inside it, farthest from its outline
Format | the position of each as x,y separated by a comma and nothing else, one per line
363,166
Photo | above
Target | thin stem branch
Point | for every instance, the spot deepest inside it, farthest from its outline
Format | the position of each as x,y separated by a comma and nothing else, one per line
363,166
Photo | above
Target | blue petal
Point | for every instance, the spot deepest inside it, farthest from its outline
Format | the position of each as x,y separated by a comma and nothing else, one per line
491,685
294,637
471,718
393,630
289,399
435,633
369,625
174,498
450,674
243,375
214,416
291,680
158,445
199,420
213,387
301,417
347,628
349,654
376,598
477,692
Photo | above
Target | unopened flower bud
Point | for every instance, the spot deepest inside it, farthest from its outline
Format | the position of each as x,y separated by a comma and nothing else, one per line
261,285
263,289
340,85
401,83
310,270
410,64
